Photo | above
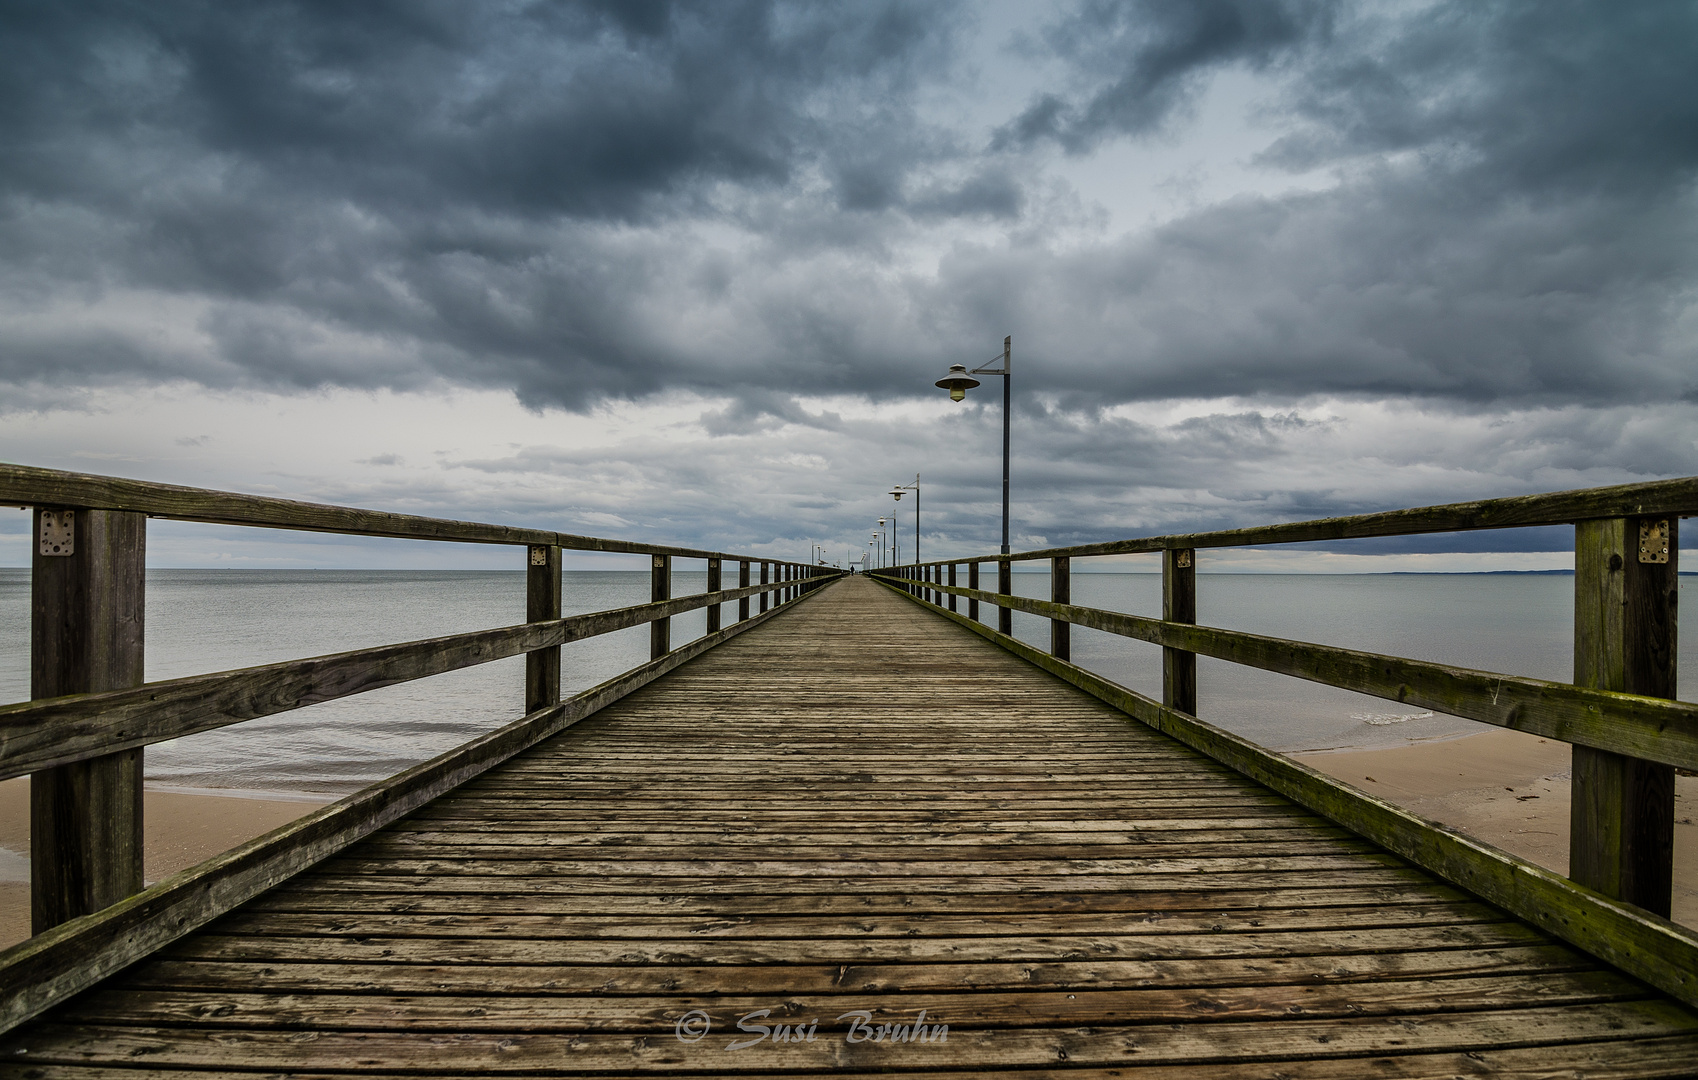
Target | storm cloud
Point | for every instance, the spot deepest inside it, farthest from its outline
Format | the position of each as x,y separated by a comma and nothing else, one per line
1467,209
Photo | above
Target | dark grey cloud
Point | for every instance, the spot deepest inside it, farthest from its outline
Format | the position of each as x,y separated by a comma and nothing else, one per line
1140,61
584,201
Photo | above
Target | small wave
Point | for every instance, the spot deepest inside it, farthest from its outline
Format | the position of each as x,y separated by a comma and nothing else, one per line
1380,719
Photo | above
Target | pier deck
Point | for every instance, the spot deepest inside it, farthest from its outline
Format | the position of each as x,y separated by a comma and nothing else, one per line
859,808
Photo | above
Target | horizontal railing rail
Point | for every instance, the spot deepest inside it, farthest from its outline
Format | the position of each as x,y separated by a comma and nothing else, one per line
81,736
24,485
1657,498
55,731
1656,729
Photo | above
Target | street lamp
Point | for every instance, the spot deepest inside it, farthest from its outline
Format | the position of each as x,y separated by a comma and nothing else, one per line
897,491
959,381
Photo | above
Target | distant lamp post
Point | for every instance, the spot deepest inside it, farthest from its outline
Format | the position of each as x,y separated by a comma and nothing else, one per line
897,491
958,382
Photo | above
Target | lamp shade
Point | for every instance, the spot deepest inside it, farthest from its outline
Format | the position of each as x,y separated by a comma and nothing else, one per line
957,382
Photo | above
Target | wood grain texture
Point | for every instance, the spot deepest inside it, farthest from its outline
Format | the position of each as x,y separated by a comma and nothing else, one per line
858,808
1646,945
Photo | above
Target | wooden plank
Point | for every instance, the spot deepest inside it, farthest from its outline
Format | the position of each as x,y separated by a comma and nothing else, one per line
86,633
210,945
1529,962
300,897
50,967
38,734
1647,946
1655,729
1656,1058
537,926
1175,1043
657,1014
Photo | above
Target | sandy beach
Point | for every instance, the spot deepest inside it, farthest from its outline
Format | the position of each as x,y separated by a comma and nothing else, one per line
179,830
1506,788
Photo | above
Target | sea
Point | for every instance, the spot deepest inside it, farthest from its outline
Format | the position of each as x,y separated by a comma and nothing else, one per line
201,621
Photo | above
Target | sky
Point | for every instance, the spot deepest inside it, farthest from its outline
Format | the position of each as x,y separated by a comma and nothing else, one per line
687,272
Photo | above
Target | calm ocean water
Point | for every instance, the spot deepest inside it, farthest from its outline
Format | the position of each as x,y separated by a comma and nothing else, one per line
214,620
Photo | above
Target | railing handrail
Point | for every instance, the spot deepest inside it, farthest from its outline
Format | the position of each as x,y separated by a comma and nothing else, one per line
28,485
1669,498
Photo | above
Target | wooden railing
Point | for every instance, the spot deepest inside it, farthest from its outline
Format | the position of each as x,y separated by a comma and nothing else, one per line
81,736
1628,734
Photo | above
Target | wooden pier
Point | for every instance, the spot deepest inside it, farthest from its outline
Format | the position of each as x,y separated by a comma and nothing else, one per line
855,834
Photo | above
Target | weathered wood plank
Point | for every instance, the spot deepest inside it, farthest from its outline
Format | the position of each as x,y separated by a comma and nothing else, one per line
1174,1043
449,1013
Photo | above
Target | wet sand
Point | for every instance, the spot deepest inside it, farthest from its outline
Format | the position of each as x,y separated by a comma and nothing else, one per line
1508,789
180,829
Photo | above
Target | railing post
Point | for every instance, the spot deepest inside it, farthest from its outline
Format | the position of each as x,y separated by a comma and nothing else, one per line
87,588
542,603
743,583
1061,592
660,588
766,568
713,586
952,596
1179,604
973,583
1621,824
1005,586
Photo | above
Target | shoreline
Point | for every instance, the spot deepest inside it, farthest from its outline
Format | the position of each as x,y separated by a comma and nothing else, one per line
1506,788
180,827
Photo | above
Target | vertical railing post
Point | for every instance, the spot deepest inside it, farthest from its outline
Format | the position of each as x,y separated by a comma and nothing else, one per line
1621,824
952,596
660,588
1005,586
742,583
1061,592
1179,604
766,568
542,604
713,585
87,588
973,583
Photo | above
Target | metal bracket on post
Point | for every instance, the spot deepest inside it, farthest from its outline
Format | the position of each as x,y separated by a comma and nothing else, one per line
58,532
1654,541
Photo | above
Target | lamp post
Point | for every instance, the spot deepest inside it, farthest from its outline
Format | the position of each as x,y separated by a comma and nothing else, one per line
959,381
897,492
